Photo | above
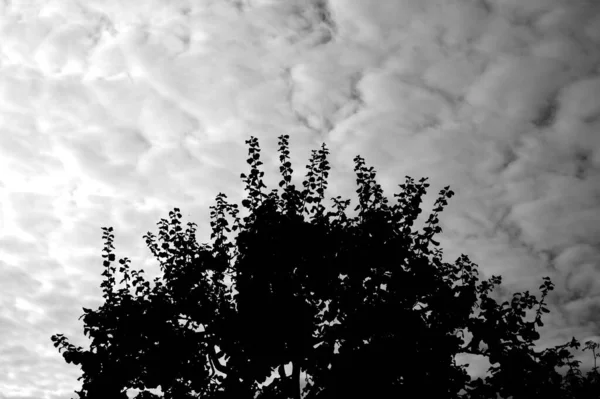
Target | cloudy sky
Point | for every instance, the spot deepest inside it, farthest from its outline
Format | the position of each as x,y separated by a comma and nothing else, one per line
114,112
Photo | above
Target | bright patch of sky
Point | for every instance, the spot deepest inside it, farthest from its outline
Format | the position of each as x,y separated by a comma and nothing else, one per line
112,113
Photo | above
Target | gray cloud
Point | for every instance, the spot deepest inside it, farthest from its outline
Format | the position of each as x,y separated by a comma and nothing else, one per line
112,114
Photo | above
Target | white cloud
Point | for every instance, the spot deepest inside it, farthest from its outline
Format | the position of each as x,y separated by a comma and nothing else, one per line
112,113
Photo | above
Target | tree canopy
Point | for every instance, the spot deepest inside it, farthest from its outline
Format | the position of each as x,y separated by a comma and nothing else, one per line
364,306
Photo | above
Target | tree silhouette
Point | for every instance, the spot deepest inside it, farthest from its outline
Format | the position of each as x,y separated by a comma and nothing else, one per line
365,306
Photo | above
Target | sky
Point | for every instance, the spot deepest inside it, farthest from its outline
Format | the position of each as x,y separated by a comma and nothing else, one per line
114,112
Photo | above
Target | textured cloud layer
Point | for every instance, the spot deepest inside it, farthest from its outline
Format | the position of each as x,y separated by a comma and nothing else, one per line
112,113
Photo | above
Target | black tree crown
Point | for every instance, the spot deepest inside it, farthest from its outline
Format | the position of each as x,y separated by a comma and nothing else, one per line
364,306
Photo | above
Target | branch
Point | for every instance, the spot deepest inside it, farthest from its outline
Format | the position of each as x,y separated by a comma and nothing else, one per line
282,372
212,367
296,380
213,355
472,350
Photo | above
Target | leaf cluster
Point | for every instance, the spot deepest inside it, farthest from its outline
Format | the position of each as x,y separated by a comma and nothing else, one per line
365,306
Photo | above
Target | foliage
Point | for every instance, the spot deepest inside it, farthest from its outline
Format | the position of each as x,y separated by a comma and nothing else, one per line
365,305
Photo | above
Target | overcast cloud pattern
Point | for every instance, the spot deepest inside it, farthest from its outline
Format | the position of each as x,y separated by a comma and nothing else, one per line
114,112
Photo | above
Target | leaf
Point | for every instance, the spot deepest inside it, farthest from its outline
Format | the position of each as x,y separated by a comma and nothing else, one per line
539,323
298,281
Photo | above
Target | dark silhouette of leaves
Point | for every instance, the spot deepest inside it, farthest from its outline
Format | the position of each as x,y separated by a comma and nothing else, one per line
364,306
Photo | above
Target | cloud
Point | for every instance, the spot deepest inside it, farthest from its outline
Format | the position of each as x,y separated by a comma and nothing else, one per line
113,113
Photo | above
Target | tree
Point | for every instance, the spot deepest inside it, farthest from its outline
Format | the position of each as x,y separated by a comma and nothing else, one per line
365,306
